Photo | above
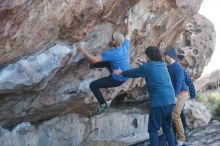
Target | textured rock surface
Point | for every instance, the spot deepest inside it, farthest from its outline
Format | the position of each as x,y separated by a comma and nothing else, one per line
205,136
195,37
197,114
28,27
111,128
210,82
42,76
34,69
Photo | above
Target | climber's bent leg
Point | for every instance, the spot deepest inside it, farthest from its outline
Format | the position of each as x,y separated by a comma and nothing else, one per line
105,82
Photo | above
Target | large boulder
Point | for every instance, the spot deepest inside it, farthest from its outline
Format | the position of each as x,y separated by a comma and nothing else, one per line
197,114
115,128
43,76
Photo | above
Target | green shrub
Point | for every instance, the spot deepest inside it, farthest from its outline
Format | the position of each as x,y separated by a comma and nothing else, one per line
217,111
211,99
200,96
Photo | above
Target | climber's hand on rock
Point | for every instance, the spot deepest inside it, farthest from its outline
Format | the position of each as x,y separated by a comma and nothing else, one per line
81,46
140,61
79,49
128,17
117,71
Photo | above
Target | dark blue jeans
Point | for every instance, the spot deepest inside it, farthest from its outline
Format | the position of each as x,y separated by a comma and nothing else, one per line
183,119
161,117
105,82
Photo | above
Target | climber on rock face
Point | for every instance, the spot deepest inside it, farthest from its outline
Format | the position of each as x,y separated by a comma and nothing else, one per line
117,57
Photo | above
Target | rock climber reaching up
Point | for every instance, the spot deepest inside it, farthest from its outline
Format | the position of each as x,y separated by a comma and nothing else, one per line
117,57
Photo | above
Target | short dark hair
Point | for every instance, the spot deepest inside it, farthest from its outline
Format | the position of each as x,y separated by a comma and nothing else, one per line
180,57
153,53
183,60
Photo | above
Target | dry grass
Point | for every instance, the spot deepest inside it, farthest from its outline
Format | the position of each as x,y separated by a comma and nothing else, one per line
212,99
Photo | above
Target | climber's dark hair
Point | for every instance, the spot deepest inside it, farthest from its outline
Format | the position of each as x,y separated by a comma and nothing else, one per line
183,60
180,57
153,53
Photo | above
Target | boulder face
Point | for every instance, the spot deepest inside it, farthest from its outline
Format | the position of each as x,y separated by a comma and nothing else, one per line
115,127
29,27
197,114
43,76
118,128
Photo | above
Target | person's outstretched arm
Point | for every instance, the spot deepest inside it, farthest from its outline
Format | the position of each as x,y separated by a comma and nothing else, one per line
189,83
132,73
128,33
89,56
